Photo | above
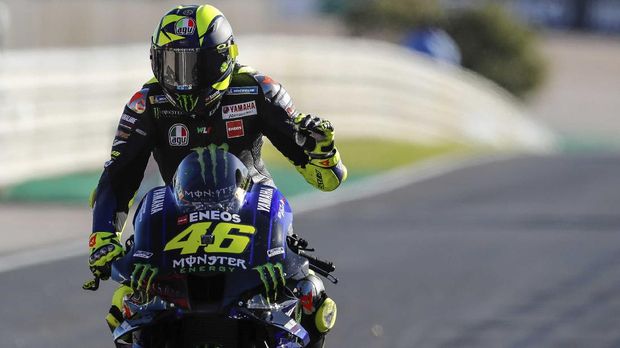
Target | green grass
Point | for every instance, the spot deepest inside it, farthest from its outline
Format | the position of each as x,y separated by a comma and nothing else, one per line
363,157
371,155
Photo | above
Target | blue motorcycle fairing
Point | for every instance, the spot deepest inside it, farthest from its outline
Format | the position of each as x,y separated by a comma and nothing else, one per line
158,221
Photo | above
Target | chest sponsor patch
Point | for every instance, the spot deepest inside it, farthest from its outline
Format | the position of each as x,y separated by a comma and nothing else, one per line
137,103
230,112
247,90
178,135
234,129
158,99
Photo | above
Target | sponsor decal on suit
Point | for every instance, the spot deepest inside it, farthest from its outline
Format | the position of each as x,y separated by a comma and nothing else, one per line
178,135
234,129
233,111
246,90
158,99
264,199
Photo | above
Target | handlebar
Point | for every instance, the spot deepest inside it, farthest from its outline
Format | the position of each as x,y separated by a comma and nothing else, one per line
322,267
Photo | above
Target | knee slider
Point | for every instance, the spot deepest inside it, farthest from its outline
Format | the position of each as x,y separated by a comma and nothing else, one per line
325,317
316,303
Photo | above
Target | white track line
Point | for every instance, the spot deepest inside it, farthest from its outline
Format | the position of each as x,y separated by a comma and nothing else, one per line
305,203
392,180
44,254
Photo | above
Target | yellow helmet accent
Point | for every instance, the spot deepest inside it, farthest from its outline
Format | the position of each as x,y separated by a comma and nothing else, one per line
325,317
159,37
234,51
204,16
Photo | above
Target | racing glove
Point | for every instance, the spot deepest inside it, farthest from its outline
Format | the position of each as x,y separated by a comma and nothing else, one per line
315,135
104,247
324,169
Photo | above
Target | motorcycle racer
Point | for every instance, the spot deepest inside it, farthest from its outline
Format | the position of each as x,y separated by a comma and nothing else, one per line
201,95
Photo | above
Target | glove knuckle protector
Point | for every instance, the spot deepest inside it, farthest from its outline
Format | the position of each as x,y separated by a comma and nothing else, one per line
104,247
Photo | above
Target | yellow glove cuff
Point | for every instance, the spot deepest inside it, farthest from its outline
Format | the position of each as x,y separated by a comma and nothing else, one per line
326,162
99,239
325,174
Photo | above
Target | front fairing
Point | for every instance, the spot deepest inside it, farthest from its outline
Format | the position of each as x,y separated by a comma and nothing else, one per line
276,315
209,260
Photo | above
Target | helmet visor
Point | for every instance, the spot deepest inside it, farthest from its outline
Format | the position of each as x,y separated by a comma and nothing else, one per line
187,70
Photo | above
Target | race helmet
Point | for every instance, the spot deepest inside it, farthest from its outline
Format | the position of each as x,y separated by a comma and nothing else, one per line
193,55
210,179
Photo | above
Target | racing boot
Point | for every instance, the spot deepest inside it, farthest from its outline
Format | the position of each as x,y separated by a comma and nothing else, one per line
116,314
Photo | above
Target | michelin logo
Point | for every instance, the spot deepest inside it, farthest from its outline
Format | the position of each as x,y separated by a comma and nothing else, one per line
249,90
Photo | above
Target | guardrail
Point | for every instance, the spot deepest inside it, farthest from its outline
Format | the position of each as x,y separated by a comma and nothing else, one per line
59,108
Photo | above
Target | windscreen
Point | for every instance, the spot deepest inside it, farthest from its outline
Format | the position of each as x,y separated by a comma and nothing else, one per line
210,178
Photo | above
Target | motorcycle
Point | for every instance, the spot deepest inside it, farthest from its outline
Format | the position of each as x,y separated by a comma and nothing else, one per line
217,275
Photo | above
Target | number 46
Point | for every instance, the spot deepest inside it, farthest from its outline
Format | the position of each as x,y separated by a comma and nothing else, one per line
225,240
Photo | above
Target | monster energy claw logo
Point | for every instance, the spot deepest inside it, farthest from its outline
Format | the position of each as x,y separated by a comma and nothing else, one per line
142,276
272,276
187,102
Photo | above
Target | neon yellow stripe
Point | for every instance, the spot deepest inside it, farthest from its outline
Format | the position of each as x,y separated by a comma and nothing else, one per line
167,37
169,19
152,80
220,86
234,51
204,16
92,198
246,70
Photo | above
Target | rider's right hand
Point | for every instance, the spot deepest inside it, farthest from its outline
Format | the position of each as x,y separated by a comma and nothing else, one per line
104,247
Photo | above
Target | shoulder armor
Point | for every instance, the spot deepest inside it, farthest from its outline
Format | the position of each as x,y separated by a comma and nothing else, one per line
269,87
273,91
137,103
244,69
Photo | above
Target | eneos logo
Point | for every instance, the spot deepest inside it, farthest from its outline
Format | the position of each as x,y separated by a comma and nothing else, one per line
185,26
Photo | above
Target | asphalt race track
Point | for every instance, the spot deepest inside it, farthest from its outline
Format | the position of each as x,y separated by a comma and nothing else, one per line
518,253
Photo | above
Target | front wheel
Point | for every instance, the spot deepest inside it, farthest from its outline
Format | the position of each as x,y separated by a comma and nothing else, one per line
202,333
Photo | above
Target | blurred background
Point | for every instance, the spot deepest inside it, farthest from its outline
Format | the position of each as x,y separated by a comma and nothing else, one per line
481,137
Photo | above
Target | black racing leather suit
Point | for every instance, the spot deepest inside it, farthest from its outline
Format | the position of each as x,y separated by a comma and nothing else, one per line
253,106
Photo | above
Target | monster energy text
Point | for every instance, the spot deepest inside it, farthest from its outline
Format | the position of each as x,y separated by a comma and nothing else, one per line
204,263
